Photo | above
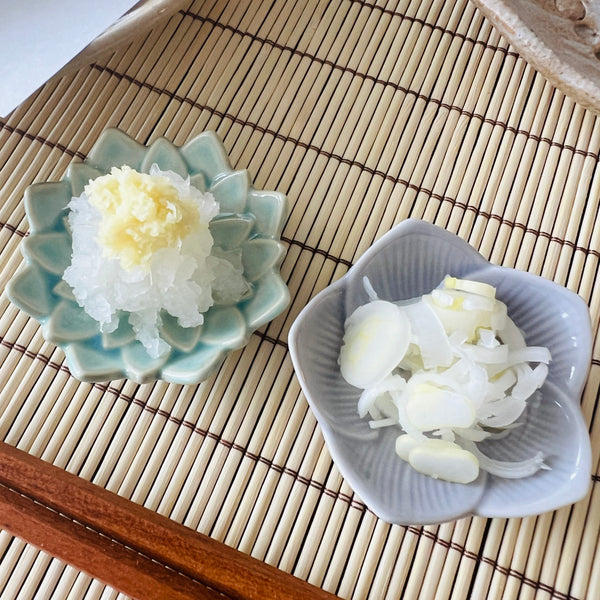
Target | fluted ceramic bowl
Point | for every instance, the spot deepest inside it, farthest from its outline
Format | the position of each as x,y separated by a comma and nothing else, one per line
249,219
409,261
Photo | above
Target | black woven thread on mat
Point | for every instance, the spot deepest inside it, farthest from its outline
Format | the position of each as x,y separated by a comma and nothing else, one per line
385,11
13,229
375,80
312,58
42,140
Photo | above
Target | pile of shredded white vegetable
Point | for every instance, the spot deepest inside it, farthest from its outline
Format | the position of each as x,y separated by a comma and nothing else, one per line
184,278
451,369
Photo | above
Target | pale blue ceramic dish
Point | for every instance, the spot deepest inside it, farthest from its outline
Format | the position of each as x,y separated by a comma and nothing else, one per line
409,261
249,219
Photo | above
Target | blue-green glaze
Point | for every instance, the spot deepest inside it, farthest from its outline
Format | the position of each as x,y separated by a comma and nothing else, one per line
249,219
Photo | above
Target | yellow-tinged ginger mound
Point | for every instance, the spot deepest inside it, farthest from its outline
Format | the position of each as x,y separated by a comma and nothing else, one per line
141,214
142,246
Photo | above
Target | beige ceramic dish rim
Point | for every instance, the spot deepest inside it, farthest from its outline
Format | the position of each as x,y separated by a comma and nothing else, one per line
559,73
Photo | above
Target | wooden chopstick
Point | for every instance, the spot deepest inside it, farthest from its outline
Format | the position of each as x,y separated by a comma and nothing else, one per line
126,546
124,569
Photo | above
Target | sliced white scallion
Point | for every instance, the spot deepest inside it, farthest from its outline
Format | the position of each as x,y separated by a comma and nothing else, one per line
535,354
428,335
431,407
404,444
451,369
454,317
375,394
508,469
498,386
473,434
444,460
376,338
511,335
476,288
499,316
488,356
501,412
529,380
487,338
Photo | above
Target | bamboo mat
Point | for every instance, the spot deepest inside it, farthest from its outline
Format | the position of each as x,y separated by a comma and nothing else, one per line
364,113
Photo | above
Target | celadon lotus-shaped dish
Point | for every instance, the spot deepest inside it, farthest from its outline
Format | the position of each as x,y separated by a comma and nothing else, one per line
250,220
408,261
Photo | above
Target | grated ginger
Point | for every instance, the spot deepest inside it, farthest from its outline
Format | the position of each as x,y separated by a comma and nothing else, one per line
141,214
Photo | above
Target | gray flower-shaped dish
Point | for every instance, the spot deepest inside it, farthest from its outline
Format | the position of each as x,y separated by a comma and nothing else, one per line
249,219
409,261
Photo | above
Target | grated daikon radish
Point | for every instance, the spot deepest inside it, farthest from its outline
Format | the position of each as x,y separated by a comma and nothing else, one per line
142,245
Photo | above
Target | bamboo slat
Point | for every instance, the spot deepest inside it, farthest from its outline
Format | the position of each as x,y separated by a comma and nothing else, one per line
364,113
